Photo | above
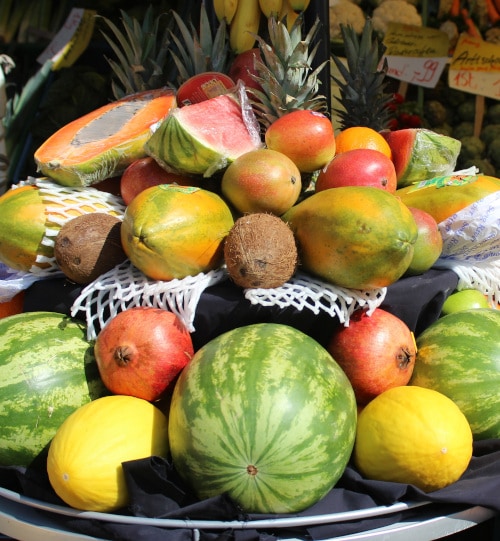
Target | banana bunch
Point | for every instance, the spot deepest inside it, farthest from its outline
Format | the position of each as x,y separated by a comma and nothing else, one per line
244,17
26,21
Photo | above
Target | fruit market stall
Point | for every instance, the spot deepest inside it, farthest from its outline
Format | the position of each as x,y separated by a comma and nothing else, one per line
224,314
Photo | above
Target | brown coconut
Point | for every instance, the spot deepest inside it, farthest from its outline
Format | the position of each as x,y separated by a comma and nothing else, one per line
88,246
260,251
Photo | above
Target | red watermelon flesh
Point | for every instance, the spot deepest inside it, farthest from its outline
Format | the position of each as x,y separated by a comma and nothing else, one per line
203,138
421,154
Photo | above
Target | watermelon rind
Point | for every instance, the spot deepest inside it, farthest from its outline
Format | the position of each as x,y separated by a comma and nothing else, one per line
204,138
459,356
263,414
423,154
47,370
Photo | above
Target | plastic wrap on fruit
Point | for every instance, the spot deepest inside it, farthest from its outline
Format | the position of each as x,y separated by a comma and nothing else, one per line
203,138
471,245
420,154
13,282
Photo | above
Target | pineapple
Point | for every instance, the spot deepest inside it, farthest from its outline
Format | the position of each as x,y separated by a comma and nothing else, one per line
141,54
285,75
362,92
149,58
194,52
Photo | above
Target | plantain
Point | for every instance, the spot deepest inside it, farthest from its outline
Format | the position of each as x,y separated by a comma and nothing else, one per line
271,8
245,26
225,9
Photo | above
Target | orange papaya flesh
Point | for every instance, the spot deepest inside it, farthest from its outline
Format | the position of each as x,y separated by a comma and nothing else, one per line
444,196
102,143
354,237
22,227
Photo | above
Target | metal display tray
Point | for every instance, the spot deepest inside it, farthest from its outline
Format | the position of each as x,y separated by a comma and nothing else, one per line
27,519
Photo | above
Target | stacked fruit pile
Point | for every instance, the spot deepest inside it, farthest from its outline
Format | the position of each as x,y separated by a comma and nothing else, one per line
260,184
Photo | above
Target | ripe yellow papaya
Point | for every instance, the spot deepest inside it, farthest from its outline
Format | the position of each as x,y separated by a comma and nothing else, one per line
441,197
357,237
25,216
22,227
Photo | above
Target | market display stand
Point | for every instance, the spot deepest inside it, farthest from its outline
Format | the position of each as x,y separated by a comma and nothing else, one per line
24,523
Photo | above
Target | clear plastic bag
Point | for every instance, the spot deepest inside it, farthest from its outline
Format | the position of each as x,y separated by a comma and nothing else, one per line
471,246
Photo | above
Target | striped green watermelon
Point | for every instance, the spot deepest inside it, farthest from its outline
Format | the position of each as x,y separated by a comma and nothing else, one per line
264,414
203,138
459,356
47,370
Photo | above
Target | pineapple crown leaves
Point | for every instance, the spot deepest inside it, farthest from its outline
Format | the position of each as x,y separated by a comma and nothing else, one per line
140,52
198,52
285,72
362,88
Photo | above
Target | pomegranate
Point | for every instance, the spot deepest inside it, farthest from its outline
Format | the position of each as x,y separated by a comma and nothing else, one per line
146,172
243,67
141,351
203,86
359,167
375,351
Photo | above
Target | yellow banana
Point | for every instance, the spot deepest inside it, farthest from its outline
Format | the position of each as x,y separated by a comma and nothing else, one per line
244,26
271,8
299,5
288,14
225,9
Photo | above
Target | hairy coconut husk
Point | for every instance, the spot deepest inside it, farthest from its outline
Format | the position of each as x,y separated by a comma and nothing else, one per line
260,251
88,246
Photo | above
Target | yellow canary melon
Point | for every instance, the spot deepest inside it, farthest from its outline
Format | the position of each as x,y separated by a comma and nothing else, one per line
84,462
413,435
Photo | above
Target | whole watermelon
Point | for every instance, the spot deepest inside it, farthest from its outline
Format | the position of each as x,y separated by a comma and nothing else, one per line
47,370
459,356
264,414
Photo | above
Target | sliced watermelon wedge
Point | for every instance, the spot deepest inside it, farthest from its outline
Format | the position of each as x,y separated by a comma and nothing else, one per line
421,154
203,138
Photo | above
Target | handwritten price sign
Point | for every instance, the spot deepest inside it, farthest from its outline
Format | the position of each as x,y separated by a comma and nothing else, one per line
475,67
416,55
71,40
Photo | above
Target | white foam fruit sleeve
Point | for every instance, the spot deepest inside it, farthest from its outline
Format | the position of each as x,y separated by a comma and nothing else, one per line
471,246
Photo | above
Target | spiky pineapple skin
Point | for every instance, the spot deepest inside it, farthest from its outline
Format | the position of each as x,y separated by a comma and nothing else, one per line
362,83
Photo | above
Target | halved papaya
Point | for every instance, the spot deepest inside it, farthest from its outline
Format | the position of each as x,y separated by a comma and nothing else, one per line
102,143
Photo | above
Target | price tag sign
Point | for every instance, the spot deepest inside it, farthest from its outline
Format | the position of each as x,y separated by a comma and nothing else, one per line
475,67
416,55
71,40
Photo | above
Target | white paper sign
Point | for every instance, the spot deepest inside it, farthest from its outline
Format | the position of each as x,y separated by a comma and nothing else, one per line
420,71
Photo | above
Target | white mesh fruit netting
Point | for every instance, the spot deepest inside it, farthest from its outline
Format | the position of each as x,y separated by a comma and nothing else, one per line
125,287
63,203
303,291
471,246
